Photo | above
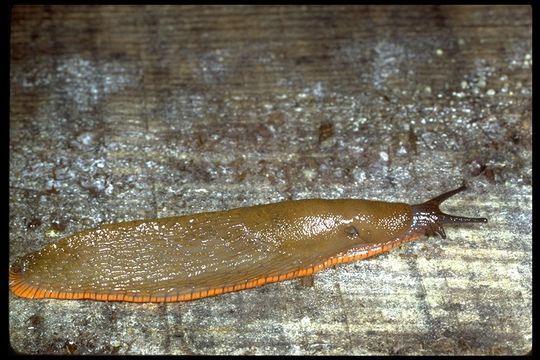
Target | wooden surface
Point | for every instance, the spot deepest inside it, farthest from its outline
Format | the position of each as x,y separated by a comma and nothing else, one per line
120,113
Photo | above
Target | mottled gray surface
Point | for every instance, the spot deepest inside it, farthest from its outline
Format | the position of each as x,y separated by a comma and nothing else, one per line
120,113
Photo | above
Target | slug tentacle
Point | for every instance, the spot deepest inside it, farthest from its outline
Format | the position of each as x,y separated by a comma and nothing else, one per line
428,217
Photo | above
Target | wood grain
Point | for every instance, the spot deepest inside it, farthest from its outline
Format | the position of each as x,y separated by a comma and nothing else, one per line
128,112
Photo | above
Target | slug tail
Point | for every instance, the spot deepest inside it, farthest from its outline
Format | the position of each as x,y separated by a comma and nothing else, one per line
428,217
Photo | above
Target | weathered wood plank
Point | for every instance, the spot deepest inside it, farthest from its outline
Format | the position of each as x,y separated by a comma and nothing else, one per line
125,112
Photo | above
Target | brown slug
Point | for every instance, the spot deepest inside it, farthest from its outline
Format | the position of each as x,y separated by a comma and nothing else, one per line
194,256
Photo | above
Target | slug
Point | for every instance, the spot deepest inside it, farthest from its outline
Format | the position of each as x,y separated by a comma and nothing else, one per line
206,254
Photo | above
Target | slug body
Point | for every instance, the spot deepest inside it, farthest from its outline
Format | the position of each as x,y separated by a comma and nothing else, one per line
206,254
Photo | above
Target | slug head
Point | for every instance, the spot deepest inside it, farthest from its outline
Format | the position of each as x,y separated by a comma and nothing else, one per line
428,217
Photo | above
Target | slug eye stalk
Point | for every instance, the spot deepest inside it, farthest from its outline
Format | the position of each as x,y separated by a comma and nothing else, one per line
429,218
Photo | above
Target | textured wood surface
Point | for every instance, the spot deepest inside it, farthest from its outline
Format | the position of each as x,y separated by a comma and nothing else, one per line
126,112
